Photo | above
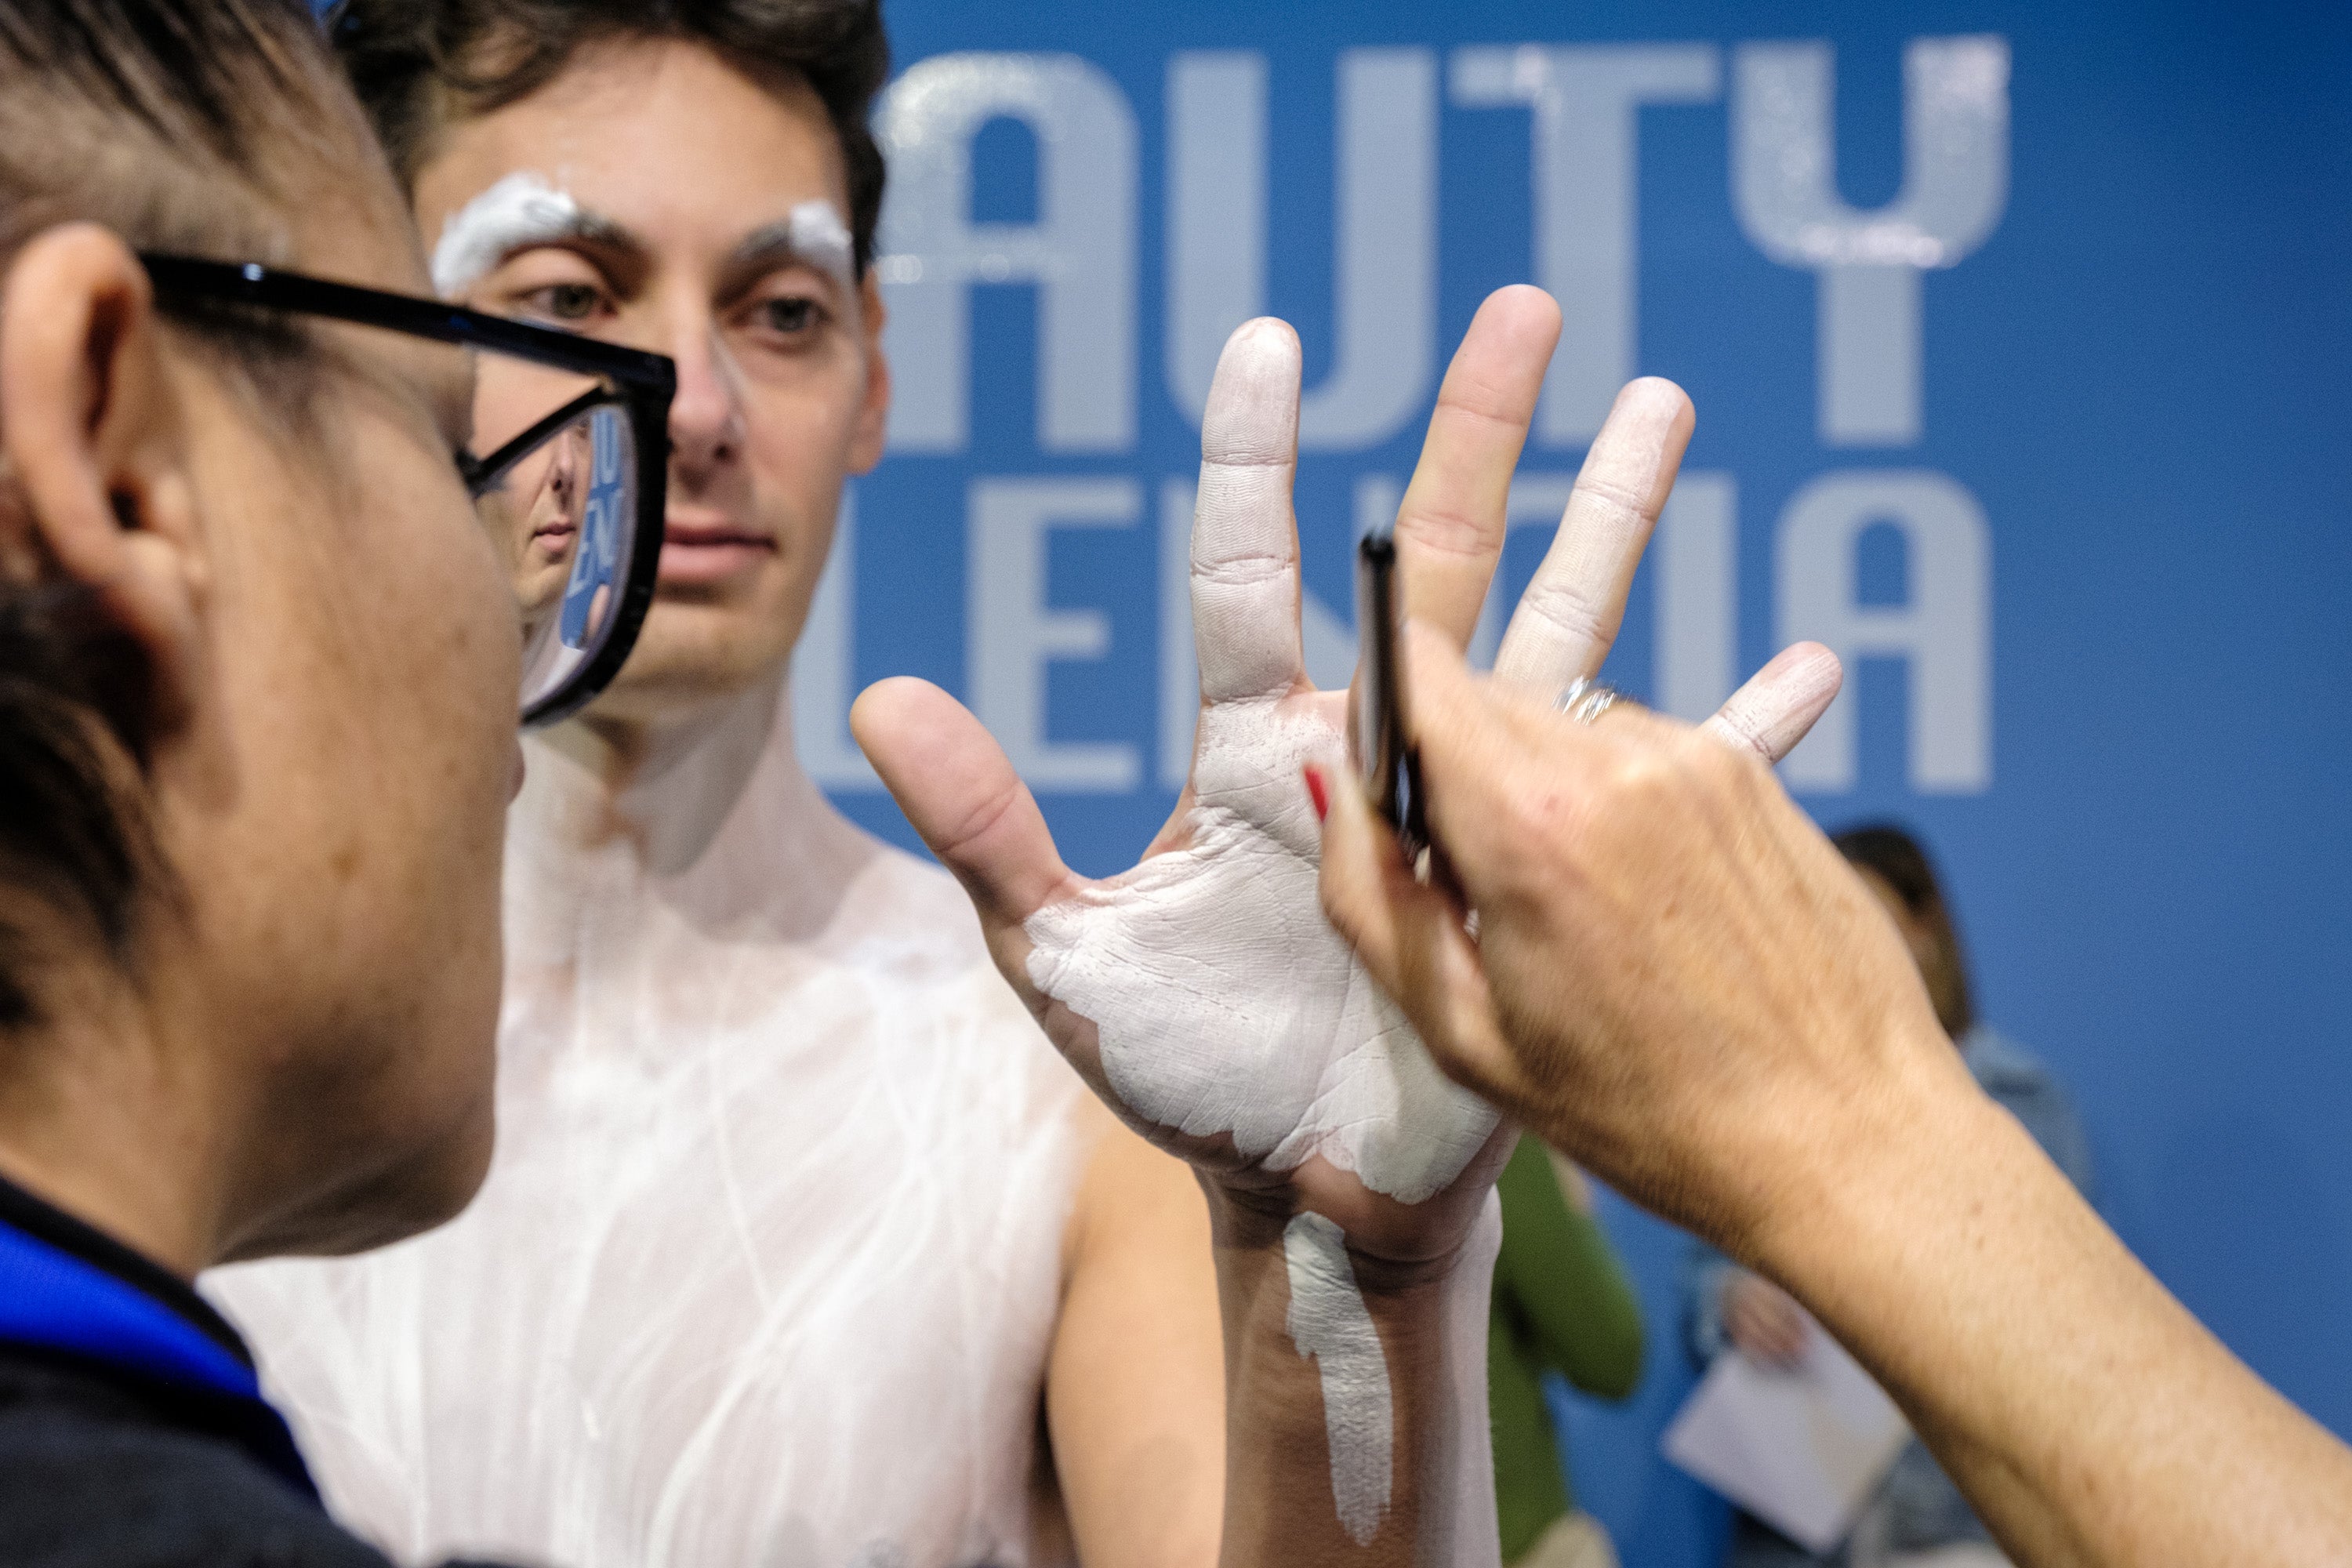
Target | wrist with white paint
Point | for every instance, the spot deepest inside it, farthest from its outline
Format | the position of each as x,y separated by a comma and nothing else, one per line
1357,1384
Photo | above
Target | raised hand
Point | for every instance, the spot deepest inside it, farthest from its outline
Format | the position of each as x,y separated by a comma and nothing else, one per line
1201,992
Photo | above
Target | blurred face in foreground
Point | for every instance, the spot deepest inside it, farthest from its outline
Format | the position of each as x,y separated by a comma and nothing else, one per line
334,645
377,650
654,194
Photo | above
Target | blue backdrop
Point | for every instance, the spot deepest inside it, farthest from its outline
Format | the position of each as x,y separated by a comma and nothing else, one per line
2018,335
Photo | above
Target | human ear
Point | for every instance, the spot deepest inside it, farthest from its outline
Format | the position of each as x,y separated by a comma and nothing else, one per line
96,447
873,416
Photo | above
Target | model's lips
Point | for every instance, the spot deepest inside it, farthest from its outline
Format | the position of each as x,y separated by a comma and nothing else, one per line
695,552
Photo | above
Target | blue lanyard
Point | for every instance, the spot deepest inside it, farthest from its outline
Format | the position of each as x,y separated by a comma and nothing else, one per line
53,1301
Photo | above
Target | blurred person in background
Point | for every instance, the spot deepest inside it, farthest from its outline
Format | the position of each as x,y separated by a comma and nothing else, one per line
1561,1304
1915,1510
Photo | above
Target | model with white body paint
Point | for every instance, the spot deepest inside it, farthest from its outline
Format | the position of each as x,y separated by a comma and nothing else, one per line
805,1156
768,1267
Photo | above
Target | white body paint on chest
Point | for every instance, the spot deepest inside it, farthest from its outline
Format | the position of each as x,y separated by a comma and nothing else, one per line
718,1291
1327,1321
520,210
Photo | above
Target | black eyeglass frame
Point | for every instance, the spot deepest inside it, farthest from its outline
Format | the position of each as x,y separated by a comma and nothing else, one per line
641,384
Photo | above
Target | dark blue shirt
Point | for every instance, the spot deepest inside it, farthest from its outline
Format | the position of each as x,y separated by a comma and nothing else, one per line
132,1431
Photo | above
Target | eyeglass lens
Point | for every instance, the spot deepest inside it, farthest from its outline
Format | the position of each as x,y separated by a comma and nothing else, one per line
565,513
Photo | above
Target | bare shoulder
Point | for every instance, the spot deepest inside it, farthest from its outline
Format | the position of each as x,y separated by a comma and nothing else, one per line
905,917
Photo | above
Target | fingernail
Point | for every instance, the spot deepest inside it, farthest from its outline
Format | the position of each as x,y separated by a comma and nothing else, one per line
1317,791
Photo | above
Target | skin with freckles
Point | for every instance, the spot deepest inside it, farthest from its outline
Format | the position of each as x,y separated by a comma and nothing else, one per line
1676,977
1757,1315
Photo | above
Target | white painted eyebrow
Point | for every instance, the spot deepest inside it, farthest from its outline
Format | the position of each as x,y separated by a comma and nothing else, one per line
520,211
812,233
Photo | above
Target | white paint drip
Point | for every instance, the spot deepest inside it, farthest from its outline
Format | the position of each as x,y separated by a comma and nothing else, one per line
520,210
819,238
1327,1321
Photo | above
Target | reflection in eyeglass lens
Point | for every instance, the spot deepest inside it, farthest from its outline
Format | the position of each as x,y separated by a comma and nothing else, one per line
565,513
599,455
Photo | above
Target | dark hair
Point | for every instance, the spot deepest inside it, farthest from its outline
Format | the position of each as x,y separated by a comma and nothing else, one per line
1900,861
418,64
171,122
175,123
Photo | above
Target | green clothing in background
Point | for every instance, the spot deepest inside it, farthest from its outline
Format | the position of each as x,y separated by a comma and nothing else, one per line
1561,1303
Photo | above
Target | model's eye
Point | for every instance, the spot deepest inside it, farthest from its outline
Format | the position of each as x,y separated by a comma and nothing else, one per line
568,301
791,315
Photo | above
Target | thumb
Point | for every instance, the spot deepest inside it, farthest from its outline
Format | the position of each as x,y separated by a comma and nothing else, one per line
1408,935
958,790
1479,743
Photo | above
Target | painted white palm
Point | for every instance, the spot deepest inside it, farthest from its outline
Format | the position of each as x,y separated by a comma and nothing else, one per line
1203,994
1230,1020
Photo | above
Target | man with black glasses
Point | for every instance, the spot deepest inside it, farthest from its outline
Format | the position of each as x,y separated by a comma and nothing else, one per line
259,684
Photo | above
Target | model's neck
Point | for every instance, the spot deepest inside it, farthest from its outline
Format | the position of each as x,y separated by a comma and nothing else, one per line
663,784
664,789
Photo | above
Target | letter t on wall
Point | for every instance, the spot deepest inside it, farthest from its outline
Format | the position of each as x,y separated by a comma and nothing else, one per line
1586,105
